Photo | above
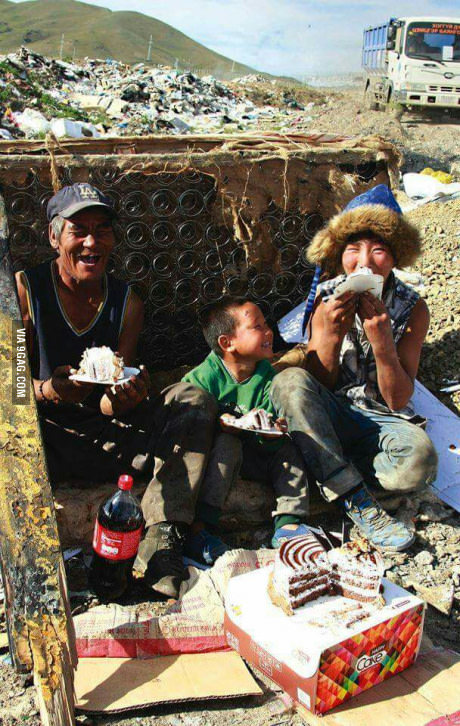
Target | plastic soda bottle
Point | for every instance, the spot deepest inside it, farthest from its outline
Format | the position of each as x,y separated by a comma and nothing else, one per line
116,538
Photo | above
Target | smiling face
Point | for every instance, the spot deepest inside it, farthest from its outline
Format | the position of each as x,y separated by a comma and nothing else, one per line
367,250
84,246
252,339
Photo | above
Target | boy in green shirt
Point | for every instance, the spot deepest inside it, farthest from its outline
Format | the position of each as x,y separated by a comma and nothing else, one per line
238,374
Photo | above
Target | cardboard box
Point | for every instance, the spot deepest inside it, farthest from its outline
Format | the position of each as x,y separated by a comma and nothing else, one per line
317,658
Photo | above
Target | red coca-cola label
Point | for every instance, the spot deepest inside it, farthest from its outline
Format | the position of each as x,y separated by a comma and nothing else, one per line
115,545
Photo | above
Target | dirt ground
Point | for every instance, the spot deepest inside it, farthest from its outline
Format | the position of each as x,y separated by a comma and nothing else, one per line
434,561
424,138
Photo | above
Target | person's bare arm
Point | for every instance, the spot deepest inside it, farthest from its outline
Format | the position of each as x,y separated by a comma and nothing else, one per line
58,387
118,400
397,365
330,322
26,313
131,328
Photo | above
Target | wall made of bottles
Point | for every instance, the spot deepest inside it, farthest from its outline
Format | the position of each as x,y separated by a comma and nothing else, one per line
169,246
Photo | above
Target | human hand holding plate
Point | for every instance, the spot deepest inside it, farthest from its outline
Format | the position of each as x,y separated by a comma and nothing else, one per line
128,372
256,421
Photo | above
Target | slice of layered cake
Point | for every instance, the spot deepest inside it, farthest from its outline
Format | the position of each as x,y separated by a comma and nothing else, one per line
356,571
101,364
303,571
300,573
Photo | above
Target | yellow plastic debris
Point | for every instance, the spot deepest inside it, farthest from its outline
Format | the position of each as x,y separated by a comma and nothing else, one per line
441,176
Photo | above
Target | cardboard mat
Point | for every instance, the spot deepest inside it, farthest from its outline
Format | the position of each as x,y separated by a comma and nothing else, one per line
443,428
113,685
423,693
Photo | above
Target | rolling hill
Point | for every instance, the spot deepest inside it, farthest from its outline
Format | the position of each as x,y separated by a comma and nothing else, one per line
101,33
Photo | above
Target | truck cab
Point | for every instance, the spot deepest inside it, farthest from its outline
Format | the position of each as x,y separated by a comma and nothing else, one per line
413,61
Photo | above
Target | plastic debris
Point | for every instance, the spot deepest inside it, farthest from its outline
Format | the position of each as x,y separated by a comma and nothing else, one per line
32,122
74,129
107,96
441,176
426,187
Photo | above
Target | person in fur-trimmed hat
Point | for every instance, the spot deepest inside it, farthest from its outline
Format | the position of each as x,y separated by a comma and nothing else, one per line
376,212
350,411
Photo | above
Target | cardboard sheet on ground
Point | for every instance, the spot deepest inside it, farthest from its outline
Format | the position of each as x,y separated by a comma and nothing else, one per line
443,428
121,684
419,696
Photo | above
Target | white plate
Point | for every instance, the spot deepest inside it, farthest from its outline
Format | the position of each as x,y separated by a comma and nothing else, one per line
269,433
127,373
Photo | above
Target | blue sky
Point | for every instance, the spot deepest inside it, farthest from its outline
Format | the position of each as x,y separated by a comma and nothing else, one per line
290,37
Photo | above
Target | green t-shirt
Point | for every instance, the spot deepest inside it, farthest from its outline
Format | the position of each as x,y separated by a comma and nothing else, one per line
254,392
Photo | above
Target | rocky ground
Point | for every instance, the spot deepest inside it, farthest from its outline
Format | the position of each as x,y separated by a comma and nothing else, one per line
432,566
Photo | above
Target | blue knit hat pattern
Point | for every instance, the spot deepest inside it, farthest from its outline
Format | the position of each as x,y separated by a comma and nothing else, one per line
380,194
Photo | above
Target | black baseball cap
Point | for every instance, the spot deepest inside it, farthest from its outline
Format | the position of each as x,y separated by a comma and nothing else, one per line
72,199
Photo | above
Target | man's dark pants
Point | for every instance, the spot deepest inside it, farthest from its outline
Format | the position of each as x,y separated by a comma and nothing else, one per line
166,438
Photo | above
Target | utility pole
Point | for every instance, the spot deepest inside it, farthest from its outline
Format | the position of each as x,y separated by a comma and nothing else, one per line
74,52
149,51
176,64
62,46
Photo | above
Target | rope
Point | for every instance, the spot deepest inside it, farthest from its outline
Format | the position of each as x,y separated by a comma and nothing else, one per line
52,143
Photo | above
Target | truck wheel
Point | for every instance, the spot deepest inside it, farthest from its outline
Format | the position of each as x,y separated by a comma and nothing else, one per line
394,108
369,102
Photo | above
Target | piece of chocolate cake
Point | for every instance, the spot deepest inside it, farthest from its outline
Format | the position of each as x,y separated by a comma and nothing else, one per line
303,571
300,573
356,571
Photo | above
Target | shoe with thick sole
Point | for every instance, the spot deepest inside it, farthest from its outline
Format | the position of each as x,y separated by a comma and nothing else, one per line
204,547
160,558
382,531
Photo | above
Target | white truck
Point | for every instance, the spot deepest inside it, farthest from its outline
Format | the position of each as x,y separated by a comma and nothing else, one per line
413,61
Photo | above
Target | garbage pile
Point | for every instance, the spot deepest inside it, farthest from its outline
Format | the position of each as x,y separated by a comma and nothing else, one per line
277,93
38,94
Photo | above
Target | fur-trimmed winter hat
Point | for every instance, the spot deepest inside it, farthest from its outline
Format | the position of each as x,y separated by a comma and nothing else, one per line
374,211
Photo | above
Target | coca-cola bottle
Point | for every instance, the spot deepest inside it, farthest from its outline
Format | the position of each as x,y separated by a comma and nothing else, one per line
117,533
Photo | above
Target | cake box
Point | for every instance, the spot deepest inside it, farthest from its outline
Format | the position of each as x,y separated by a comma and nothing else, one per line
330,649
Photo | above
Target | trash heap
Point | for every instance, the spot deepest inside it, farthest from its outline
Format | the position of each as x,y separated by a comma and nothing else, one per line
38,94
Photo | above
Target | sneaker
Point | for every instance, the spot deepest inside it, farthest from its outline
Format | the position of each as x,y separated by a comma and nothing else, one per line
375,524
204,547
160,557
283,534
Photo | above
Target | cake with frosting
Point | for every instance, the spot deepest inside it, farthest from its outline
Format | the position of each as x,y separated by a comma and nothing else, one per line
255,420
300,573
101,364
356,571
304,571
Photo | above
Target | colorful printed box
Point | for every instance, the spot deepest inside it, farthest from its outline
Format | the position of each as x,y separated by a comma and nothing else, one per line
319,656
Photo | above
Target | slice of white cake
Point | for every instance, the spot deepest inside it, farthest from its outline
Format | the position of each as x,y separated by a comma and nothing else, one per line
101,364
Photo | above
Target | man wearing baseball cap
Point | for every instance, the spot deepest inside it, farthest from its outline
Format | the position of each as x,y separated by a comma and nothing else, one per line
72,199
71,303
350,411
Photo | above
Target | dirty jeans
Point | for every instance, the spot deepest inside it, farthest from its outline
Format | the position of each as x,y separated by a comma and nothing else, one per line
167,437
344,445
283,469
